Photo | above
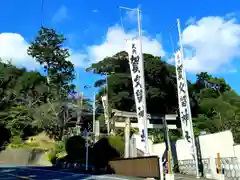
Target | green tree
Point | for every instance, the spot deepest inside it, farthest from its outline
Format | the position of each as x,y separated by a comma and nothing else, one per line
47,48
219,114
209,86
17,119
160,83
215,107
21,92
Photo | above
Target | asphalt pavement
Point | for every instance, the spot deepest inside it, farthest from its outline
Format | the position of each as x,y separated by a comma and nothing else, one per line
28,173
14,172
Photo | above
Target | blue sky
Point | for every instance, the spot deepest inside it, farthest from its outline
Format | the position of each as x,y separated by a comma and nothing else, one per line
211,32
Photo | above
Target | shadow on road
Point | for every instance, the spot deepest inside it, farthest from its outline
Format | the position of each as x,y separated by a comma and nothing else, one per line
38,173
99,156
72,166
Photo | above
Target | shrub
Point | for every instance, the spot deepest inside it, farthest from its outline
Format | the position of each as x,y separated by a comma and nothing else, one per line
117,142
57,151
103,152
17,142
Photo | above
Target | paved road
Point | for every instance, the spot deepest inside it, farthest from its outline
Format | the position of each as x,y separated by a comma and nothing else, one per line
27,173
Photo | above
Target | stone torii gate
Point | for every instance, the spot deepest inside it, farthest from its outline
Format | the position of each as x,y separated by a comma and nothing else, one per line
127,120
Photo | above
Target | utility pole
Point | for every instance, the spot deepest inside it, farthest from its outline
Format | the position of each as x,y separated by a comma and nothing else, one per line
107,108
168,144
189,108
79,111
94,115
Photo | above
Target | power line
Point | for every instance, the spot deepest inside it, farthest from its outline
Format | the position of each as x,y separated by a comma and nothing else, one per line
121,8
175,24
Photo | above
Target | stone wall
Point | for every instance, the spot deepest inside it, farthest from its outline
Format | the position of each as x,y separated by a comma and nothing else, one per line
24,156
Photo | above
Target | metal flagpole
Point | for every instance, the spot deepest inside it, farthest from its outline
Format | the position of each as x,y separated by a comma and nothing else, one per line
189,108
94,111
140,104
143,82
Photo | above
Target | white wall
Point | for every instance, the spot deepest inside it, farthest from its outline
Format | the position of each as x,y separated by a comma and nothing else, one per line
158,149
140,145
154,149
221,142
210,145
236,149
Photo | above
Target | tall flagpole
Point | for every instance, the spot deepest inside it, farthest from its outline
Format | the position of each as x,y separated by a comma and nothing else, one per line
136,63
94,116
189,108
107,109
143,82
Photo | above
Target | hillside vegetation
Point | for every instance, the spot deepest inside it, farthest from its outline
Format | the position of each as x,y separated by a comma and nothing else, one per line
37,111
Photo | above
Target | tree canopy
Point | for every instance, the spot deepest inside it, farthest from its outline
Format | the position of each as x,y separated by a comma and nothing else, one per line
159,78
214,104
32,102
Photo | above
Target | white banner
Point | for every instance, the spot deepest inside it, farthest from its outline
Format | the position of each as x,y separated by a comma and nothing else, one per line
105,108
135,61
183,101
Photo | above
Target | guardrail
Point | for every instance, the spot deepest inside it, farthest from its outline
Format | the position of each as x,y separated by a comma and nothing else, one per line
188,167
231,167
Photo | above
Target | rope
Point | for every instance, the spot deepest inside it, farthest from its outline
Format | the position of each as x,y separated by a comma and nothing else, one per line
171,38
121,19
171,41
42,10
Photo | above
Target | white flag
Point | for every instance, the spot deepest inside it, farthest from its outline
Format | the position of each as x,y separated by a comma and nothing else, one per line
183,101
135,61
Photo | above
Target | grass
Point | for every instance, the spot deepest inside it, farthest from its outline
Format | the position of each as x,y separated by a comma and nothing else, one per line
40,141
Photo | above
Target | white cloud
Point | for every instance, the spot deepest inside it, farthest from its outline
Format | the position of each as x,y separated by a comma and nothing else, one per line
191,20
95,11
131,16
61,14
78,58
115,41
212,43
13,47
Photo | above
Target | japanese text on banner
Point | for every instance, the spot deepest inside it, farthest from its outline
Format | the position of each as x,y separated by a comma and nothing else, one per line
137,75
183,99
